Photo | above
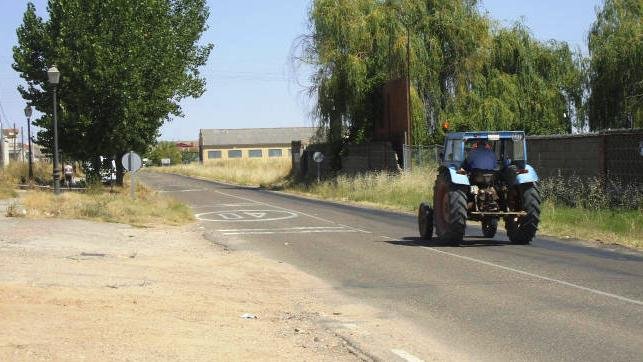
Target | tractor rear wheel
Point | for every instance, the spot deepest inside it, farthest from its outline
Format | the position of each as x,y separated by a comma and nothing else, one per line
425,221
489,227
523,229
450,210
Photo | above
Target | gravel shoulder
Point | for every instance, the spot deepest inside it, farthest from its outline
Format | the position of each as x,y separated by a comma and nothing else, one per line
72,290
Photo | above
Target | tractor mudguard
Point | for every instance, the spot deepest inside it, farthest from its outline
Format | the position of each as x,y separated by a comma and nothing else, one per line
458,179
528,177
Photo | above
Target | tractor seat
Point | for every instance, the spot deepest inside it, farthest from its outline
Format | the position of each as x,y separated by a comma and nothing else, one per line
483,177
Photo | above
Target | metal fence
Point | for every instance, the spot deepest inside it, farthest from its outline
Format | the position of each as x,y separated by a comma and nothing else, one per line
421,156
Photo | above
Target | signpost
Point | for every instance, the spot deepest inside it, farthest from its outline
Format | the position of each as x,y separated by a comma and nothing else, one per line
318,157
132,162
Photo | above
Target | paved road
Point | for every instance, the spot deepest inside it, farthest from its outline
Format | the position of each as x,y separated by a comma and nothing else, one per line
487,300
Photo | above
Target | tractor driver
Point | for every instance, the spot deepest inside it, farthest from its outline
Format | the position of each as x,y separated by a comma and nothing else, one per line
481,157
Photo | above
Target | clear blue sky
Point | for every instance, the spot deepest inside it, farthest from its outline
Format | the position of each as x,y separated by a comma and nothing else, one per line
249,78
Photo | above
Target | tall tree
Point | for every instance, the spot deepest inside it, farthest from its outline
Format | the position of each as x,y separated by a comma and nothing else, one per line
616,66
465,70
125,67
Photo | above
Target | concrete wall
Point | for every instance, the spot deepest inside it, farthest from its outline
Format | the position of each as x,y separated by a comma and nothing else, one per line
605,154
375,156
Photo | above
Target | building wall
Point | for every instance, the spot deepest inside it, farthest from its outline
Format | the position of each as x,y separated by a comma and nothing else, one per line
246,152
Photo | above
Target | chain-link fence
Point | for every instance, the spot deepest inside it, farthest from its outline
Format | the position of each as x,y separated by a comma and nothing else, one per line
421,156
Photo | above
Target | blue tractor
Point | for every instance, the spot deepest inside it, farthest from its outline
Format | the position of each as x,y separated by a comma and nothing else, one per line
483,176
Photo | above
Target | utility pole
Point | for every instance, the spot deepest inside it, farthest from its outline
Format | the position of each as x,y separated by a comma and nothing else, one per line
22,143
1,144
15,141
408,82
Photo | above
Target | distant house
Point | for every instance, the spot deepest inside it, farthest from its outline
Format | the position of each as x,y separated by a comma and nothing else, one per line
251,143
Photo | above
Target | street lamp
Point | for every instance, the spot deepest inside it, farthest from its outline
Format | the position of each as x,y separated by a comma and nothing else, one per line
28,112
54,78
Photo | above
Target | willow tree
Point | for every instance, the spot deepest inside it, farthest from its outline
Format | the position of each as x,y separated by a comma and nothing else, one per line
616,66
125,67
464,70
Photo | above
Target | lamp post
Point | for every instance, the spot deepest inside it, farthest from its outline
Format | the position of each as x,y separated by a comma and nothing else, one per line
28,112
54,77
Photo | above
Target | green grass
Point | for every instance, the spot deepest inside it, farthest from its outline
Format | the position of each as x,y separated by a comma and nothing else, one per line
608,226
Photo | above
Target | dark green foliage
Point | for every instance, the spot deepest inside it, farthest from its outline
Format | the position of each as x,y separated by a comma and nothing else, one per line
616,66
125,66
165,149
464,70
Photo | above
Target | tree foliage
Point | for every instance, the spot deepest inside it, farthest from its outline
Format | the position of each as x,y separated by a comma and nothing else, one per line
125,66
616,66
165,149
465,70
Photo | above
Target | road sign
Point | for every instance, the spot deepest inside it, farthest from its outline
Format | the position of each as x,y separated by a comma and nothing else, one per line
165,161
318,157
132,161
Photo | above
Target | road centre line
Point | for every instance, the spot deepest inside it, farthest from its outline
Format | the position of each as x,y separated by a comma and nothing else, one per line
557,281
289,210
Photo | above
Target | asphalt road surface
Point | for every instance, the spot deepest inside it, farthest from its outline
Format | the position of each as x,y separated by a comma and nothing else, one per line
486,299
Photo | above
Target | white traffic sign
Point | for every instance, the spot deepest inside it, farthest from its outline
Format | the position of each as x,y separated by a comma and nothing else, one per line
318,157
132,161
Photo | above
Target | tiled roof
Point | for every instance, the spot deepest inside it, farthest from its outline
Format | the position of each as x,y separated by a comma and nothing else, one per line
256,136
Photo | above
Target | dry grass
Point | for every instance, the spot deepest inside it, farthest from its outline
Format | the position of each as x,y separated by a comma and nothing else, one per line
242,172
13,174
149,208
403,191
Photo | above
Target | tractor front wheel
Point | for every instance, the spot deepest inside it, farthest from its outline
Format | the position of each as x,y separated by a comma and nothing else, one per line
450,210
425,221
489,227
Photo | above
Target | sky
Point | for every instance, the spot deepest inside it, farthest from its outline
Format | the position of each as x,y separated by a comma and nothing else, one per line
250,82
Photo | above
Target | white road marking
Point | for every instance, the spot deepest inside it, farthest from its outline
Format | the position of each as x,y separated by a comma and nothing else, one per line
246,215
290,232
561,282
287,229
289,210
190,190
214,206
230,216
406,355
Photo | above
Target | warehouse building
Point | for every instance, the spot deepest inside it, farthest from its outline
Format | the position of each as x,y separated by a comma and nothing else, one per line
251,143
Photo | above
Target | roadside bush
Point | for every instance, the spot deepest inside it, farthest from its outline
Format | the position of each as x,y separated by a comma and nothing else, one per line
592,193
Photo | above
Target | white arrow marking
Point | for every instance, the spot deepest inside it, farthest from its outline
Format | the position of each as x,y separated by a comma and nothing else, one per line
257,215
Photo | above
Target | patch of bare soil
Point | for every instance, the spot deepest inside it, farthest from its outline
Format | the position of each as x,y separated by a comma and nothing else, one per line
72,290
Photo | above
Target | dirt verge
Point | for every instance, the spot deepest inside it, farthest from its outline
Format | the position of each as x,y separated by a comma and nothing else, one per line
72,290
